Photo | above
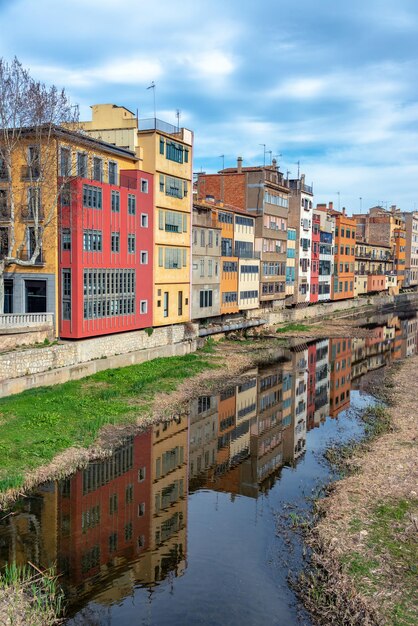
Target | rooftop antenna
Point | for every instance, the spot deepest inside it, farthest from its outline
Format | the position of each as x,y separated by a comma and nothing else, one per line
152,86
298,164
361,203
287,174
338,194
222,156
270,152
277,156
178,114
264,148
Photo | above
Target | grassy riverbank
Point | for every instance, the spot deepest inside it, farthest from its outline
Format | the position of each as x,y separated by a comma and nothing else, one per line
37,425
364,547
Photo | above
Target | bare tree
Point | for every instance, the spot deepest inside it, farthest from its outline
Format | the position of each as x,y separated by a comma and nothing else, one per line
31,113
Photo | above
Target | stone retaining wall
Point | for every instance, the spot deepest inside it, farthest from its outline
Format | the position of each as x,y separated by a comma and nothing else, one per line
43,359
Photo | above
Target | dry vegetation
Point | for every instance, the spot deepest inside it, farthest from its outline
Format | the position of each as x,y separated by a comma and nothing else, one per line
365,548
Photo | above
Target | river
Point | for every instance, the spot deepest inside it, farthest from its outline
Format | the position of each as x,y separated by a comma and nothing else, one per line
190,522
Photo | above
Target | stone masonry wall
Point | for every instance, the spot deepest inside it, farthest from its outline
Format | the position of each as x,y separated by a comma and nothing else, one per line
35,360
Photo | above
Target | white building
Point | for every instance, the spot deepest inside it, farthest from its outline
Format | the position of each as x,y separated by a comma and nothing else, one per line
300,218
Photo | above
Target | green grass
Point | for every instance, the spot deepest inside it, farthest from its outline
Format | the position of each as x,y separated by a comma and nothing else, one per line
287,328
29,596
38,424
389,559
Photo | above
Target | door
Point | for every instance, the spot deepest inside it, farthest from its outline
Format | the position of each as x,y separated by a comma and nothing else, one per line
165,303
180,303
35,296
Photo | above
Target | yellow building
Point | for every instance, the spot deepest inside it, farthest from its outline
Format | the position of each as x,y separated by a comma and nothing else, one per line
42,166
165,151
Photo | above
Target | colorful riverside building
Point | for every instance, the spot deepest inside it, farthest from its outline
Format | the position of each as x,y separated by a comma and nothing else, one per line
206,262
316,226
374,268
239,275
290,264
165,151
300,218
326,252
94,267
411,252
342,285
340,375
263,192
105,244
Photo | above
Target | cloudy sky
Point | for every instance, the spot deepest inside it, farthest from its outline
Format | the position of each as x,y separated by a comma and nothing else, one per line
331,84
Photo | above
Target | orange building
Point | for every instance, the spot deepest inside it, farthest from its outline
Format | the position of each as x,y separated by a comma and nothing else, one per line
340,376
400,254
342,286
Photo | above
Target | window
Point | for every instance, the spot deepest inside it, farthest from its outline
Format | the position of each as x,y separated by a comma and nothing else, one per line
129,494
66,294
143,307
226,247
245,295
205,298
202,238
65,162
162,142
202,268
174,151
82,165
141,474
144,185
225,218
210,267
132,205
97,169
229,296
131,244
141,509
128,531
92,197
113,173
172,221
66,239
144,257
180,303
166,301
108,292
113,503
144,220
113,542
34,202
92,240
115,242
210,239
115,201
230,266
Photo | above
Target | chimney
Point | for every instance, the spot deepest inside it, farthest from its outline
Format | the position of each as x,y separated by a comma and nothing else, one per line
331,206
274,163
343,210
239,165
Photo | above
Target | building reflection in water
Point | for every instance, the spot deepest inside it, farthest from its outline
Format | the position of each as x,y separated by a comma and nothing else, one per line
122,521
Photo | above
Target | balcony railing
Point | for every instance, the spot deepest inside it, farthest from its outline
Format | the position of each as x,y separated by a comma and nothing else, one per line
153,123
9,320
247,255
32,172
307,188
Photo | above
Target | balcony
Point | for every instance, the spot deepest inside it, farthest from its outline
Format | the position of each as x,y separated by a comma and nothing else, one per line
307,188
30,173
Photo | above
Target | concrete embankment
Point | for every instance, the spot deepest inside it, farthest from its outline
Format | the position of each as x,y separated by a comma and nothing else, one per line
27,368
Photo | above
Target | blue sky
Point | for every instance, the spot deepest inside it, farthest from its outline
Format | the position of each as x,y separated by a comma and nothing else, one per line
330,84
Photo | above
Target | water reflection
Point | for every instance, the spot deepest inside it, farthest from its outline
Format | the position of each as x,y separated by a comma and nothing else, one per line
122,522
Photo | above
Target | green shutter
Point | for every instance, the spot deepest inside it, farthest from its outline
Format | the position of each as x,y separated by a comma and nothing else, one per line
160,257
184,257
185,223
160,220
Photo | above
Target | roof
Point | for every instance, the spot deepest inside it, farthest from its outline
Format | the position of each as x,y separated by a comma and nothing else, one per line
221,207
82,139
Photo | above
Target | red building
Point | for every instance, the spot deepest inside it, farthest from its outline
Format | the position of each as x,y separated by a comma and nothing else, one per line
104,513
316,228
106,256
311,387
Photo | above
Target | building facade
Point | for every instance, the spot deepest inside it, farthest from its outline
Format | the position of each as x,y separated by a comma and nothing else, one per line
300,218
206,263
165,151
326,252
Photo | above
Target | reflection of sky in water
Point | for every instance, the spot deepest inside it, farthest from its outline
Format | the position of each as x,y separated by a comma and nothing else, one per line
218,552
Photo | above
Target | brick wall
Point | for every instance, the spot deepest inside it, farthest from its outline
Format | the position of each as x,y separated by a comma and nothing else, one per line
229,188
